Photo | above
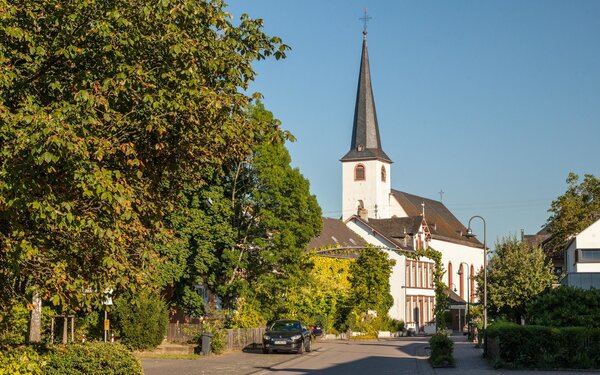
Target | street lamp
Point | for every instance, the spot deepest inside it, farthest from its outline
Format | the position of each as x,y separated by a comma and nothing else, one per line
460,272
471,235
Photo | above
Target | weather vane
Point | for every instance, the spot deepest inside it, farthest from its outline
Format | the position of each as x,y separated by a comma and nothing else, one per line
365,19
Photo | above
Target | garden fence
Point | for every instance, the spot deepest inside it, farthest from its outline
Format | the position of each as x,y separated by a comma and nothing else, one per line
236,338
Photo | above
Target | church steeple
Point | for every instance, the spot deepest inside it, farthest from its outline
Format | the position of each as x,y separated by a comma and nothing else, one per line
366,144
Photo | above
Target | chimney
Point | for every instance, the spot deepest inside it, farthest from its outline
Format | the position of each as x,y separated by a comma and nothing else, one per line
363,213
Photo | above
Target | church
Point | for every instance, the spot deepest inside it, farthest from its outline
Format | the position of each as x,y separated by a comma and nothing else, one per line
393,220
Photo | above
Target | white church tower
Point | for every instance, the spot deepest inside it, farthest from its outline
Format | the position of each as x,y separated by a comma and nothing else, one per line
366,172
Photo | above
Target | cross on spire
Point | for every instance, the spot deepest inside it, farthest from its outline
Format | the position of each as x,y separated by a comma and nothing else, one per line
365,19
441,193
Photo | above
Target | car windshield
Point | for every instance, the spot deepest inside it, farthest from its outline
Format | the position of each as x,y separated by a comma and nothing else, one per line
285,326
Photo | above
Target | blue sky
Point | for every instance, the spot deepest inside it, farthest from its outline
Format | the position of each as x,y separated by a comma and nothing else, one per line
493,102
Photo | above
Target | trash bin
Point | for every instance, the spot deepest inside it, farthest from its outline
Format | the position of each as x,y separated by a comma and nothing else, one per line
206,341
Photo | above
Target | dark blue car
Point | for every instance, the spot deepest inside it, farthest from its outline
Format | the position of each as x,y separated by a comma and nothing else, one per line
287,336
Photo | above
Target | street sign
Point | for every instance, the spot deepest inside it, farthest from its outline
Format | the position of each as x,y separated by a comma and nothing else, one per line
106,324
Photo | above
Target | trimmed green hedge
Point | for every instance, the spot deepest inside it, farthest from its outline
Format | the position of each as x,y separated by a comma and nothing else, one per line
21,360
442,350
73,359
514,346
92,358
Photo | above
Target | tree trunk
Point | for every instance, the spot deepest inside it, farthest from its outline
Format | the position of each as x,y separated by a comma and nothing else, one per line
35,330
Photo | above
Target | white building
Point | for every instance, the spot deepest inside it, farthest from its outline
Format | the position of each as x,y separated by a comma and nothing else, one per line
582,259
398,220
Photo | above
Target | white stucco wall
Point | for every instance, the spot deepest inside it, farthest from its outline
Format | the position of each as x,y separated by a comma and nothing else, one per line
457,253
590,237
372,191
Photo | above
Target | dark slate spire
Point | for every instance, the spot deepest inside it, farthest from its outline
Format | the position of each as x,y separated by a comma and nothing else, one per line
366,144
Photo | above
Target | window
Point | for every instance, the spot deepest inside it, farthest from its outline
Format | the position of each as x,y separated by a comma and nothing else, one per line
359,172
449,274
589,255
383,174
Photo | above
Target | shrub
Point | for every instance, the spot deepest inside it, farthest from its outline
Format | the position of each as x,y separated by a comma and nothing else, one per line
566,307
22,360
15,320
442,349
142,320
395,325
218,343
92,358
542,347
246,315
14,324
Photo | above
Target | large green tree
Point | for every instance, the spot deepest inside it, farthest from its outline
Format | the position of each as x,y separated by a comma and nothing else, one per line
370,280
108,109
517,273
573,211
247,231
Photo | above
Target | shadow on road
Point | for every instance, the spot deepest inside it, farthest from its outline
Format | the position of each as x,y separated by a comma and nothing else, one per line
370,365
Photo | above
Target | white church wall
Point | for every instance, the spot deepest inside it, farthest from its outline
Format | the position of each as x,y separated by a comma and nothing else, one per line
457,254
397,278
395,208
372,190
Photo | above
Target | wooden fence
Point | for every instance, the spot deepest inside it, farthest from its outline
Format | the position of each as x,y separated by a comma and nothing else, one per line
236,339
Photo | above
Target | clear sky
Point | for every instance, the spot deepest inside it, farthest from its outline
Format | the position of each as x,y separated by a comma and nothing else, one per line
493,102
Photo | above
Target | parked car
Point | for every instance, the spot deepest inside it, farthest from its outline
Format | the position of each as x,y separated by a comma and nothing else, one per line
287,336
316,330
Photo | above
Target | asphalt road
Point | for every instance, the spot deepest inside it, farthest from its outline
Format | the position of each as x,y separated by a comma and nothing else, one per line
328,357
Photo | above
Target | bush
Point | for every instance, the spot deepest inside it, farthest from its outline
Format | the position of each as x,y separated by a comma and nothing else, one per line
22,360
566,307
395,325
442,349
218,342
92,358
141,321
14,323
542,347
246,315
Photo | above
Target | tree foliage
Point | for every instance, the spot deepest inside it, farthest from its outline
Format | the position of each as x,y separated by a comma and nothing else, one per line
517,273
370,280
573,211
108,109
248,229
566,307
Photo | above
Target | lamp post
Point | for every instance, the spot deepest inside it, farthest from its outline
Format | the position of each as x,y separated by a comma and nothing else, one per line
471,235
468,291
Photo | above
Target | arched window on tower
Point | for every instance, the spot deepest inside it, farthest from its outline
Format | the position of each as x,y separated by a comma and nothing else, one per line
359,172
449,274
383,174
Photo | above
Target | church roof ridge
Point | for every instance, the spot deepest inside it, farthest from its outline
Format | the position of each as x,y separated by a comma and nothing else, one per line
366,142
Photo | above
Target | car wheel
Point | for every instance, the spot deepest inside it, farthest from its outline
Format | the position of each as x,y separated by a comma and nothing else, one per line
308,344
266,351
301,347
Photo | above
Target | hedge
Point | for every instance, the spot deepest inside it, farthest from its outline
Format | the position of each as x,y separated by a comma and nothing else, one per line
442,349
73,359
21,360
92,358
538,347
